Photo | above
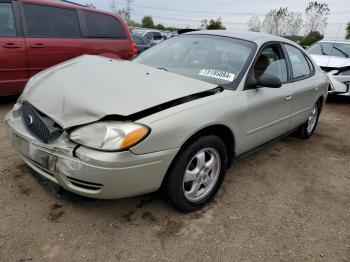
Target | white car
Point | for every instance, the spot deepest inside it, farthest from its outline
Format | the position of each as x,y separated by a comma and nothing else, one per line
334,58
152,35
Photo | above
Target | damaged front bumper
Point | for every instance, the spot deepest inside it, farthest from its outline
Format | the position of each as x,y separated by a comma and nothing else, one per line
339,84
88,172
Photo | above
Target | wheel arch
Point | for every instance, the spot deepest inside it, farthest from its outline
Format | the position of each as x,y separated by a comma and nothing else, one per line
220,130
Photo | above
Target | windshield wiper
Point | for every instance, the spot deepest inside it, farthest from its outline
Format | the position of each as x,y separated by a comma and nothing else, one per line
162,68
341,51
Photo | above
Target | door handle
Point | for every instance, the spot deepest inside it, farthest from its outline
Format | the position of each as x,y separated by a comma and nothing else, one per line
38,45
12,45
317,87
287,98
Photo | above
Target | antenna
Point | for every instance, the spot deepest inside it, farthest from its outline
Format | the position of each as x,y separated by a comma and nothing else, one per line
333,44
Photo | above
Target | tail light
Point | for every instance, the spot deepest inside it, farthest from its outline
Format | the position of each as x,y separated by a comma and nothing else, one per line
133,49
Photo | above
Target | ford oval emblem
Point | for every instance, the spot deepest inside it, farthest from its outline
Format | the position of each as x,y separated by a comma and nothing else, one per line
28,119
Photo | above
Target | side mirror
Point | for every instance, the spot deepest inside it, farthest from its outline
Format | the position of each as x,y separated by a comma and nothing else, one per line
269,81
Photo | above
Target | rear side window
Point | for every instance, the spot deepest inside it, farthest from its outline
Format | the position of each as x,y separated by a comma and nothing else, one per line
138,40
104,26
300,65
46,21
7,21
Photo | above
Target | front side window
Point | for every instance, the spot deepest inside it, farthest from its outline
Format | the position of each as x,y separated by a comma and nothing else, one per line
7,20
330,49
157,36
271,62
47,21
300,66
104,26
214,59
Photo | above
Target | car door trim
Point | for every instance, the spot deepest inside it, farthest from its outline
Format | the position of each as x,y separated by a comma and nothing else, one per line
273,123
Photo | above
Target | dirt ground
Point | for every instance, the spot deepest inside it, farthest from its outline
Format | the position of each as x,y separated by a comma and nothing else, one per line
288,202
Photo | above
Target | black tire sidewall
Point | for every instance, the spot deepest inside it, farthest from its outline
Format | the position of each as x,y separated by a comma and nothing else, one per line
174,183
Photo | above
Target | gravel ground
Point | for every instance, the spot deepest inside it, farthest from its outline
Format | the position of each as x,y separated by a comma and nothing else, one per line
288,202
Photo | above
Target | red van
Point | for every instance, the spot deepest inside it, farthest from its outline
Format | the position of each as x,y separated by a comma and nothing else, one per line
37,34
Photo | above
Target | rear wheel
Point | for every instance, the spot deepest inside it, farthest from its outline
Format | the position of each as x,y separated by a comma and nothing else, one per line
197,173
309,127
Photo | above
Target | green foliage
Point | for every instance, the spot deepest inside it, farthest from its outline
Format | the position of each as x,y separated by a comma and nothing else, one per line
348,31
159,27
147,22
311,38
213,24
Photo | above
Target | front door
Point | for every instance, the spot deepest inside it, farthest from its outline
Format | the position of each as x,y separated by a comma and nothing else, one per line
13,58
268,109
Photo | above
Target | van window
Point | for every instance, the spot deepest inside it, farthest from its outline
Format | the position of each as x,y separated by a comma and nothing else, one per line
46,21
104,26
7,21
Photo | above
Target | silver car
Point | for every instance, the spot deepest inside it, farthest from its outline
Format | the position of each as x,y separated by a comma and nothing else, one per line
175,117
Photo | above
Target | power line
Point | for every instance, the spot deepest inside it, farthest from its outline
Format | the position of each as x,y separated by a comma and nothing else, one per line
217,12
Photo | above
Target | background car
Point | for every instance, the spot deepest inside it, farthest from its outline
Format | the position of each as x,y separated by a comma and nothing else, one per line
152,35
37,34
334,58
175,117
142,42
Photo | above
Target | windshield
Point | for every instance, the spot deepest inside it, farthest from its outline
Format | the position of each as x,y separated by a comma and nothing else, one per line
214,59
331,49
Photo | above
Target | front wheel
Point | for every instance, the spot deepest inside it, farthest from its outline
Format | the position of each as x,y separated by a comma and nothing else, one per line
309,127
197,173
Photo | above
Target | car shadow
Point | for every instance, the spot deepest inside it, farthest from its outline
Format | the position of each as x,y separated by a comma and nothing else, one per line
8,99
336,99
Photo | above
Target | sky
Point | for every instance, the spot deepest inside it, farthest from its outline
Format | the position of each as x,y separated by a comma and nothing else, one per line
235,14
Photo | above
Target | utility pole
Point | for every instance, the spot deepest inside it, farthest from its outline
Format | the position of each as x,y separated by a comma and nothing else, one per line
128,10
113,7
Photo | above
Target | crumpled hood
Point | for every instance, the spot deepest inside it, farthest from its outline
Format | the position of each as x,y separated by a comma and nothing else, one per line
330,61
88,88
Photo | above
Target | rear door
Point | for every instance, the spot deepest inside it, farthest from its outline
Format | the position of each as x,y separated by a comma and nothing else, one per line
52,35
13,59
304,85
108,35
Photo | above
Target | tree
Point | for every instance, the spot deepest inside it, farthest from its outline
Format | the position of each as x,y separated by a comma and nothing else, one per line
254,24
348,31
213,24
147,22
92,6
293,23
159,27
274,22
311,38
316,16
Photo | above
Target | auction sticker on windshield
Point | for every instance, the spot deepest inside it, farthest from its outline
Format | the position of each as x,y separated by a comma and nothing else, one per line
217,74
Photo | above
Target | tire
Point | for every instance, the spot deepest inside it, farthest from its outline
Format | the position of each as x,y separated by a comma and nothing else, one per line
307,129
203,164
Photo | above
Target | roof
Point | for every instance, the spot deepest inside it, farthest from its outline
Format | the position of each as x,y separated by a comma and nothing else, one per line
334,41
245,35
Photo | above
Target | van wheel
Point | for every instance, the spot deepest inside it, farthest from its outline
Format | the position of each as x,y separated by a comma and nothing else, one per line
197,173
308,128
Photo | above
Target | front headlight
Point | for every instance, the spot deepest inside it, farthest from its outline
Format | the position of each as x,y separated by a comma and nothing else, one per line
110,135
